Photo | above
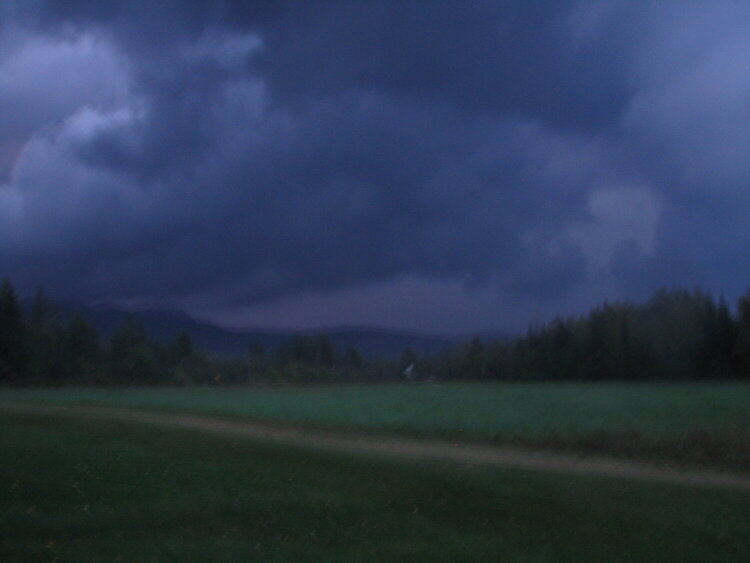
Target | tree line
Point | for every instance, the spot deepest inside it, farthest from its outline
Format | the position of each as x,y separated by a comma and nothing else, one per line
676,334
40,347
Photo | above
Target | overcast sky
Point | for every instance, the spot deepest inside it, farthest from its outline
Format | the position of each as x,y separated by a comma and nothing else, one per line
440,166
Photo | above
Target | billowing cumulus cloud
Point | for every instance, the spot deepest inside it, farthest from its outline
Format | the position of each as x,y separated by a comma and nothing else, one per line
618,216
445,166
45,80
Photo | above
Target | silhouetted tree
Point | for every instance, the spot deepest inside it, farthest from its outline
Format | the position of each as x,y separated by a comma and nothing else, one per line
325,351
13,336
257,360
40,340
725,340
475,362
132,355
183,346
743,334
353,360
83,350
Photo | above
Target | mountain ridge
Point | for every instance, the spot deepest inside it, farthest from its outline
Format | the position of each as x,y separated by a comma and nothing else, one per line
163,325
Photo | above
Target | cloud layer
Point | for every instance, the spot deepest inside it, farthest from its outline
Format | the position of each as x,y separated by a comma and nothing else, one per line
301,164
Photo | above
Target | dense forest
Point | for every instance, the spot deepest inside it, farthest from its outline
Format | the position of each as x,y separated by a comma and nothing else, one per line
676,334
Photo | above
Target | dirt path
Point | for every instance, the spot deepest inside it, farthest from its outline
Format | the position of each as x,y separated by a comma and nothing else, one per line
430,449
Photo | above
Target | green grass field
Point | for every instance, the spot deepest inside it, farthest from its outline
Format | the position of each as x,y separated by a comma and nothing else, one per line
73,490
476,410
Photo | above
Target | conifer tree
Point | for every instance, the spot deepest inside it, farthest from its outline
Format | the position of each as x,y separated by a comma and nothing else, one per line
132,354
742,346
13,336
83,352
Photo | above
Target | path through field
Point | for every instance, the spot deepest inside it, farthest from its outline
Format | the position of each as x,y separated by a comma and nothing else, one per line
409,448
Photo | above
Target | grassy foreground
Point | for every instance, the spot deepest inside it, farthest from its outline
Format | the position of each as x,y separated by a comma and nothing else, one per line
72,490
478,410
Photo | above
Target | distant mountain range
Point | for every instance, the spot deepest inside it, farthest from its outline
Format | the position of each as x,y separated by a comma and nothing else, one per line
164,325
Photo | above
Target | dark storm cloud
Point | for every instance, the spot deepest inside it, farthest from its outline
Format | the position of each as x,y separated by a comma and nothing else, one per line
239,153
491,57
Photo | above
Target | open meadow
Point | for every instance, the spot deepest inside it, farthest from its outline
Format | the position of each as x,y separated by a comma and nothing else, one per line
83,485
473,410
102,490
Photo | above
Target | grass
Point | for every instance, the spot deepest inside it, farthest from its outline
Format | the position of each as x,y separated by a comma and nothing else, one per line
475,410
75,491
